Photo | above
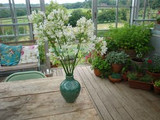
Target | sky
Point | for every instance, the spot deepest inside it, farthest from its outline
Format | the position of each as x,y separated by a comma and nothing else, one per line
46,1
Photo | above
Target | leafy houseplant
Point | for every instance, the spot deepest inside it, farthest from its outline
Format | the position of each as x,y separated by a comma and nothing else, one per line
100,66
117,59
153,66
69,44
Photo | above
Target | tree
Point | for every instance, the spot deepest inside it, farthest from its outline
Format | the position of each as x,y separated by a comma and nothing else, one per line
77,14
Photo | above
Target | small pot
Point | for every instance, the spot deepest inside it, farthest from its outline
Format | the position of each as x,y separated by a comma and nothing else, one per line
114,79
97,72
156,89
154,75
116,68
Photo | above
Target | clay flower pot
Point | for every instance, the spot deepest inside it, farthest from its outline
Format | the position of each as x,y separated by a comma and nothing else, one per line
114,79
116,68
140,85
97,72
154,75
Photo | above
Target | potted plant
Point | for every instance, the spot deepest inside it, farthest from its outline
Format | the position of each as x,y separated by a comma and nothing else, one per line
117,59
100,65
133,39
143,82
115,77
157,86
153,66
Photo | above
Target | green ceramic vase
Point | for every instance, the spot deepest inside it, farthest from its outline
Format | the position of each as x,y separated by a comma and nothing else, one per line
70,89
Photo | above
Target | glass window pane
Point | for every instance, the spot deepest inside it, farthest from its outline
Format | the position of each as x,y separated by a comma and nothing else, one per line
22,19
6,30
23,38
106,18
23,29
106,2
5,16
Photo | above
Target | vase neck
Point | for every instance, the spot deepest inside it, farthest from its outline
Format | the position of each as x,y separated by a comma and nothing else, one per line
69,77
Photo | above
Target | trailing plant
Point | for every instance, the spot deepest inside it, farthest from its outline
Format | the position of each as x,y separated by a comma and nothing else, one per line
157,83
117,57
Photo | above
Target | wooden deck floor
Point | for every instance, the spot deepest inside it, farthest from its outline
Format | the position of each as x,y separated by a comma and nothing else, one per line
117,101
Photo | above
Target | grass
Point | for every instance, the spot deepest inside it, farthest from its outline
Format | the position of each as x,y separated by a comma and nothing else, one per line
106,26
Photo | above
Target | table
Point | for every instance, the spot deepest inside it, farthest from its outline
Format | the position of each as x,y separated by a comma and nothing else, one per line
40,99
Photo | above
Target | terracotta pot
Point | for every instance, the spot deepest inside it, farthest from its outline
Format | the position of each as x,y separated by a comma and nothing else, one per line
131,53
156,89
116,68
97,72
139,85
154,75
124,76
114,79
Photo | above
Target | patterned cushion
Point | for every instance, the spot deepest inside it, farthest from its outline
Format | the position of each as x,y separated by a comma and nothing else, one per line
29,54
10,55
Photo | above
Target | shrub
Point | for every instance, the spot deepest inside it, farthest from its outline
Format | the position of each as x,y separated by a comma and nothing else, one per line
131,37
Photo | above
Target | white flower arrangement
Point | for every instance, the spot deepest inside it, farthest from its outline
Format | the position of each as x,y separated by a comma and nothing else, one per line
69,43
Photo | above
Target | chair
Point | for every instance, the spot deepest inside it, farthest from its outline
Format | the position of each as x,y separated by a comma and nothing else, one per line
24,76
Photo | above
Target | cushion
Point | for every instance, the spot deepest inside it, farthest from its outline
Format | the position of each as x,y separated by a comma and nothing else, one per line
10,55
29,54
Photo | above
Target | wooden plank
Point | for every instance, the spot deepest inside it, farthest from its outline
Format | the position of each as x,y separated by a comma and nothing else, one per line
41,105
16,88
106,97
87,114
125,115
129,103
99,104
141,112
